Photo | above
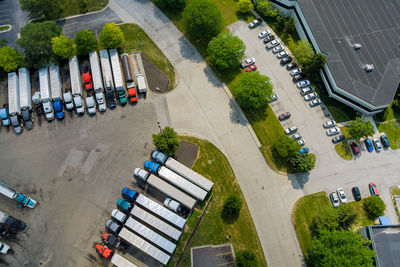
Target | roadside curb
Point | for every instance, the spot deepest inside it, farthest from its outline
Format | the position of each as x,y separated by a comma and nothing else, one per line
9,28
80,15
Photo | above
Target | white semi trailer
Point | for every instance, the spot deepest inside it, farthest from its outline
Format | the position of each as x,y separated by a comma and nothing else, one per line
13,102
25,97
44,81
76,85
107,79
97,81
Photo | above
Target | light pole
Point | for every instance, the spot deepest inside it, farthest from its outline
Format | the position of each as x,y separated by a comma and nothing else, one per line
159,126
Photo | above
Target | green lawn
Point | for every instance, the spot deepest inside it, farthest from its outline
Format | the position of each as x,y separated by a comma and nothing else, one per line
308,207
137,40
71,7
395,191
389,122
343,150
213,230
3,28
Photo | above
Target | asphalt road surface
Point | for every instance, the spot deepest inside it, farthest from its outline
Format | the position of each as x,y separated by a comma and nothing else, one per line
11,14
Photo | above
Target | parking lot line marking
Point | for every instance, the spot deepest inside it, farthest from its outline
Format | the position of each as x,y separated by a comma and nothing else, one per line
4,15
224,253
4,20
226,263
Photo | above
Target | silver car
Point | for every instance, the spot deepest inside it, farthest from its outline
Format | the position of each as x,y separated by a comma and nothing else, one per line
301,142
315,102
333,131
310,96
295,72
290,130
334,199
296,136
329,124
306,90
264,34
282,54
277,49
274,43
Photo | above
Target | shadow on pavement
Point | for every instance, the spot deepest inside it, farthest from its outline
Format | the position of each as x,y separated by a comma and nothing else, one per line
299,180
188,51
236,116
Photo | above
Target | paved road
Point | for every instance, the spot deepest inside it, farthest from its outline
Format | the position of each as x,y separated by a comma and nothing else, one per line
11,13
199,105
92,21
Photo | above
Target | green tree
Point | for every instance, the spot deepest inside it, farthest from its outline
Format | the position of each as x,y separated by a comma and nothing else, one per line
85,42
10,59
347,216
359,128
231,208
253,91
289,25
172,4
63,47
302,50
245,6
83,4
286,147
374,206
312,66
226,50
111,36
202,19
3,42
302,163
340,248
36,41
46,9
327,220
246,258
166,141
266,9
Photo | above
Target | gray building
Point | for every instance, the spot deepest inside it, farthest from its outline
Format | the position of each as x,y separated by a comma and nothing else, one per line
361,42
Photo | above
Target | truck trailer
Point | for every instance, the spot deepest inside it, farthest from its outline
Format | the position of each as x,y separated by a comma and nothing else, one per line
25,97
130,84
177,180
141,84
97,81
119,83
182,170
107,79
56,90
12,222
121,261
13,102
22,200
76,85
44,81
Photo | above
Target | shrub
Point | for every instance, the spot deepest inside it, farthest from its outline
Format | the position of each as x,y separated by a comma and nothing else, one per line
231,208
374,206
166,141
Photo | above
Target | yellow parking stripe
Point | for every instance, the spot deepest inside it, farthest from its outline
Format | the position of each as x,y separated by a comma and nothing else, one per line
224,253
226,263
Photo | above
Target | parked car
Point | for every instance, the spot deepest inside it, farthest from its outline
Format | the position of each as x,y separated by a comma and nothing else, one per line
310,96
124,205
377,145
385,141
251,68
356,193
274,97
304,150
129,194
354,148
373,189
315,102
333,131
264,34
368,145
334,199
247,62
278,49
273,43
296,136
341,195
303,84
4,248
255,23
301,142
299,77
269,39
291,66
282,54
329,124
295,72
284,116
290,130
306,90
338,139
286,60
113,226
118,216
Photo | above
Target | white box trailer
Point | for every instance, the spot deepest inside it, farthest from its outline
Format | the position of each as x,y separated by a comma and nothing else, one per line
96,71
143,245
76,85
116,68
44,81
121,261
106,69
141,84
55,82
14,107
25,94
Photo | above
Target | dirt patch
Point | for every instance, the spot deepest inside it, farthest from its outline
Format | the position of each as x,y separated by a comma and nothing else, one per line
155,77
187,153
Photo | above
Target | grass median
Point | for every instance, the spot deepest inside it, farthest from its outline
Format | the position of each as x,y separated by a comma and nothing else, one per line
389,122
71,7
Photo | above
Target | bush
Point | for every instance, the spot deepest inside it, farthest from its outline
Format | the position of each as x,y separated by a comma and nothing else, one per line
374,206
10,59
244,6
85,42
63,47
359,128
111,36
286,147
266,9
347,216
246,258
302,163
173,4
231,208
166,141
226,50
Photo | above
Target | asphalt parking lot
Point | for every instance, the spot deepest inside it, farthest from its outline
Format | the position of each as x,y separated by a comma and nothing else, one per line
11,14
75,169
213,256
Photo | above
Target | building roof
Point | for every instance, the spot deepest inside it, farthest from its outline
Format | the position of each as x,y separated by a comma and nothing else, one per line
337,25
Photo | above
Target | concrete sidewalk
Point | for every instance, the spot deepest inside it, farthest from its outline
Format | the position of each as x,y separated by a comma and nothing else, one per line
200,105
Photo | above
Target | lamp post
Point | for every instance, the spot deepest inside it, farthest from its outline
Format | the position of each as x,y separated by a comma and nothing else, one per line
159,126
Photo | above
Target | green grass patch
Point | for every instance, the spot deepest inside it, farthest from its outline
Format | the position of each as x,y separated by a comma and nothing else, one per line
388,122
71,7
4,28
395,191
213,230
137,40
343,150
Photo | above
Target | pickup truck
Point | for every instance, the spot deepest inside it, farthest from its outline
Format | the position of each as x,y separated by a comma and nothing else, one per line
255,23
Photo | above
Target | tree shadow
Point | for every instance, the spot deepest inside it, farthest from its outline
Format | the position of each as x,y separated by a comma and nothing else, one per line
211,77
229,219
256,115
298,180
188,51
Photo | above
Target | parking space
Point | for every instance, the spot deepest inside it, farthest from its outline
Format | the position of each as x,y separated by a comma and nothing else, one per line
213,256
5,12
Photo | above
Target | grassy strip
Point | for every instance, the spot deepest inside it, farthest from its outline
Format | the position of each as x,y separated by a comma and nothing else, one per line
395,191
3,28
388,122
213,230
137,40
308,207
343,150
71,7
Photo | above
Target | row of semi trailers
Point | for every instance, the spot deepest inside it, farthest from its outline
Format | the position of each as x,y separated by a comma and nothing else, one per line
106,83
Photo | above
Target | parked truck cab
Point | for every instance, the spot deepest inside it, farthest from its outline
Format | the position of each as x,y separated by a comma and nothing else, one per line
132,95
87,81
48,111
69,104
27,118
24,201
101,103
16,123
90,105
58,109
5,118
78,102
110,96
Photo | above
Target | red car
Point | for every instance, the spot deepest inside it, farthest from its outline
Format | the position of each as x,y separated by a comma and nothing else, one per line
251,68
284,116
87,81
373,189
355,148
104,251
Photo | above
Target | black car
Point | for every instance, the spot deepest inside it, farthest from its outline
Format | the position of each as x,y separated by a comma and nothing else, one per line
291,66
299,77
356,193
269,39
385,141
338,139
286,60
16,224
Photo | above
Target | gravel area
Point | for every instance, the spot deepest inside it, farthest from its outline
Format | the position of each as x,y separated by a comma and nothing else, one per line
155,77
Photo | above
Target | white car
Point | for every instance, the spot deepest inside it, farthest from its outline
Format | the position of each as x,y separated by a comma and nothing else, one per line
334,199
310,96
4,248
277,49
295,72
306,90
303,84
341,195
118,216
333,131
274,43
377,144
264,34
282,54
296,136
315,102
329,124
291,130
301,142
250,60
274,97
